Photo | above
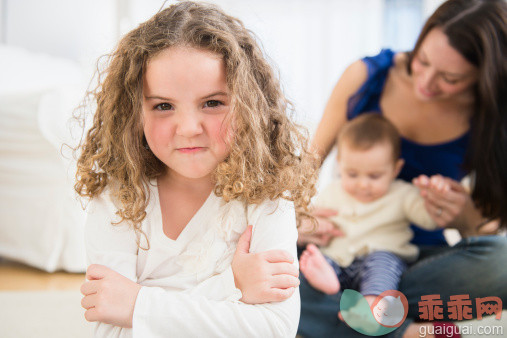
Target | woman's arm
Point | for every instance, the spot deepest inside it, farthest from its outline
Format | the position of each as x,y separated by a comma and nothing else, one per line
450,204
336,109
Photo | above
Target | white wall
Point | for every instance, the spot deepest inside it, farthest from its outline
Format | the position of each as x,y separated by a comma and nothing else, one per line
309,42
73,29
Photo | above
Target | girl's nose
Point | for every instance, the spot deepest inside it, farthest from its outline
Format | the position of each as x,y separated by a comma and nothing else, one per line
189,124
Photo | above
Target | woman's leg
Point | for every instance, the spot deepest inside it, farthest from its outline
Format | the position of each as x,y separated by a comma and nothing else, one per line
319,314
475,267
319,311
371,274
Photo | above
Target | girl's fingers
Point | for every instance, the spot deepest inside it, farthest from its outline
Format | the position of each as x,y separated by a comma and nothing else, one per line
284,269
89,287
89,301
279,295
284,281
278,256
91,315
97,271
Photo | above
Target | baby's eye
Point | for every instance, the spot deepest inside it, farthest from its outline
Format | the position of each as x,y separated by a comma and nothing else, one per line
212,103
375,176
163,106
353,175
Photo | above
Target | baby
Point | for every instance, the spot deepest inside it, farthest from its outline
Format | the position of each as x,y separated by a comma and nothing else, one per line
374,213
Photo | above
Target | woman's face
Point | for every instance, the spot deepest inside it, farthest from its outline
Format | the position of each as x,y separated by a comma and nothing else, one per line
439,71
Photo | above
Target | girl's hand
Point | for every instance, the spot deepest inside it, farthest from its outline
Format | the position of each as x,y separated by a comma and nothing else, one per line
263,277
108,296
325,231
445,199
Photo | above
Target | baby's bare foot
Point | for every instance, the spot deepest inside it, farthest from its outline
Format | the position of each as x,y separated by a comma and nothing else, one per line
317,271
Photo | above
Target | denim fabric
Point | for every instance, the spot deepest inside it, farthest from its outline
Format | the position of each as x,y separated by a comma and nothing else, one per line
475,266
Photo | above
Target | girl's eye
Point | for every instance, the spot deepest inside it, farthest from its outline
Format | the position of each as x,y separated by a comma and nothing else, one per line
163,106
212,104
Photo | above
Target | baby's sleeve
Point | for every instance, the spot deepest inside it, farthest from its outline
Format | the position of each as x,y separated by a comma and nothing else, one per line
413,206
160,313
113,246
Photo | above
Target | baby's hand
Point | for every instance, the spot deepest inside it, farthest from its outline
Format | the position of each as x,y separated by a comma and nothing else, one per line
439,184
435,183
263,277
108,296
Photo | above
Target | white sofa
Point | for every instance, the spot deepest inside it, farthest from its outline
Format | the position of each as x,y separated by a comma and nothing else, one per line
41,221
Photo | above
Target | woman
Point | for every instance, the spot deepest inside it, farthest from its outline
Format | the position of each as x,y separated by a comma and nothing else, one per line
448,100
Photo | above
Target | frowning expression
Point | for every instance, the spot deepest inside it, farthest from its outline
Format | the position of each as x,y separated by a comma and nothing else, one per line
185,104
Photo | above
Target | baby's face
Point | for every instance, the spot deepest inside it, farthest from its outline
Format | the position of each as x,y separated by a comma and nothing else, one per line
367,175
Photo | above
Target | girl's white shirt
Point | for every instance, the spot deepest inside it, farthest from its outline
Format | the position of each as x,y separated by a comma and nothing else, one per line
188,285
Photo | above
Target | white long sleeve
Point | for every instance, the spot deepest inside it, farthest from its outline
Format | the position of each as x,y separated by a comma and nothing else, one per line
184,305
415,211
159,313
111,246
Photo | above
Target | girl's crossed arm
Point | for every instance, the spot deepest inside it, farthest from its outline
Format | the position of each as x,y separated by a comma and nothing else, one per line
261,275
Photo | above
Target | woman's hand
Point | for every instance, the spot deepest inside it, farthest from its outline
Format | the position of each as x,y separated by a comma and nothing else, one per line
108,296
445,199
325,231
263,277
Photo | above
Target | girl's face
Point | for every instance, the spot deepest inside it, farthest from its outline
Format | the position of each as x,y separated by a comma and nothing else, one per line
367,175
439,71
185,102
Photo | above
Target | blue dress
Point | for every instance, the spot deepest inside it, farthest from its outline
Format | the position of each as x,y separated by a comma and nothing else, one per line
443,158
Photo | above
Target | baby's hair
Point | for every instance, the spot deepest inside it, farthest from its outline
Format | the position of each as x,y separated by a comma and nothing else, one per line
269,157
368,130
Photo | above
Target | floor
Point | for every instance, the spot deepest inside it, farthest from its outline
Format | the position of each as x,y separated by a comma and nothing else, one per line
39,304
18,277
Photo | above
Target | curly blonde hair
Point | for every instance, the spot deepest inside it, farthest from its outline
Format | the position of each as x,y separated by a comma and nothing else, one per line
269,156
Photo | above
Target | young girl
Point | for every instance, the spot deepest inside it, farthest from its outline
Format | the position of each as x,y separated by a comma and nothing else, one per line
190,144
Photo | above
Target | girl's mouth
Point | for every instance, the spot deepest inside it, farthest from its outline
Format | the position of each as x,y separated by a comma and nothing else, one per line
190,150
